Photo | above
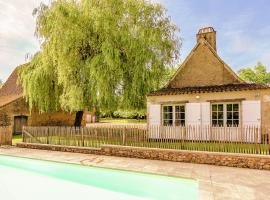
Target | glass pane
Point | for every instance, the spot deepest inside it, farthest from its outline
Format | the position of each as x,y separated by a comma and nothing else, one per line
220,115
214,107
168,122
165,116
168,116
229,122
182,108
220,122
177,122
220,107
229,107
229,115
183,122
177,108
235,107
170,108
177,116
236,122
182,115
214,115
164,108
214,122
236,115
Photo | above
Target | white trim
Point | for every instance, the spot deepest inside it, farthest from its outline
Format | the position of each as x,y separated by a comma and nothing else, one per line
173,112
225,112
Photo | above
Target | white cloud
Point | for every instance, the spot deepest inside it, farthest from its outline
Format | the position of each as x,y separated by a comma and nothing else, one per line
17,26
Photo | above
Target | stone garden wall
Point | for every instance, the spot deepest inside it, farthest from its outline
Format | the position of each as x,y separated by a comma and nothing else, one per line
221,159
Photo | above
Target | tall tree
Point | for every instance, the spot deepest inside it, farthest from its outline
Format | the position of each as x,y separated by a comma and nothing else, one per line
1,83
258,74
99,52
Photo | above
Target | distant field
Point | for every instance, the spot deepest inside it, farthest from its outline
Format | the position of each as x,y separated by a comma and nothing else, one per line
129,121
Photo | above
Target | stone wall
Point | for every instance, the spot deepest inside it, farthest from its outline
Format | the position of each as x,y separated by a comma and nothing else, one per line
202,68
52,119
35,118
211,158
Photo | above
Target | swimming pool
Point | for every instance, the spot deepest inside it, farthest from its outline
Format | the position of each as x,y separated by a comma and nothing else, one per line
22,178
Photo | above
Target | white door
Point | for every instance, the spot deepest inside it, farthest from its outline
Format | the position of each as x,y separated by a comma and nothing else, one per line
251,120
206,113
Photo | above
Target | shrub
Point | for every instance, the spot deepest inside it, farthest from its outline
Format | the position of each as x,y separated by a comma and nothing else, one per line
124,114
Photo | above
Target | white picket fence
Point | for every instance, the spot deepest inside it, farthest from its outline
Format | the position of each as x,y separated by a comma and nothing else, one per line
250,134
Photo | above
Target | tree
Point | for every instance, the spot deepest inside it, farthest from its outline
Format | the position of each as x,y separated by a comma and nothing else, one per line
169,74
99,52
257,75
1,83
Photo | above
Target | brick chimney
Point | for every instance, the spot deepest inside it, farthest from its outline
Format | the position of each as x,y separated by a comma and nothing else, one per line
208,34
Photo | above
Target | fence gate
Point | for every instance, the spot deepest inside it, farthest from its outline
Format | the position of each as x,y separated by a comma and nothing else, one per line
19,122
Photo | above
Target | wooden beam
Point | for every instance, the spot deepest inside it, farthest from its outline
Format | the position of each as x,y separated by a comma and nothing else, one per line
227,100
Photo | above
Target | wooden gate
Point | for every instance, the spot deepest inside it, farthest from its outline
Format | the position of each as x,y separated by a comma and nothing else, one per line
19,122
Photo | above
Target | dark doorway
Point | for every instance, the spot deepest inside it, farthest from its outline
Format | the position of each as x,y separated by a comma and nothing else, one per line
19,122
78,120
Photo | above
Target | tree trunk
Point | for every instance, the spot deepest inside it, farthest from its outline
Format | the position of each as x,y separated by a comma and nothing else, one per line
78,120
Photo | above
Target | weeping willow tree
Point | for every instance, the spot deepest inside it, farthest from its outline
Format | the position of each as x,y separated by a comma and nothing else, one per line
99,52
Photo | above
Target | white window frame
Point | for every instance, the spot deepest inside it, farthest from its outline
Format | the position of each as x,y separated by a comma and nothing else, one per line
225,112
173,112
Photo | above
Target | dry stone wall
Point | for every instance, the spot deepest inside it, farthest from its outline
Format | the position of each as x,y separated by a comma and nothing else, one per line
211,158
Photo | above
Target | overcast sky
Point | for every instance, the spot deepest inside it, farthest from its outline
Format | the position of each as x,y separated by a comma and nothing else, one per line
243,29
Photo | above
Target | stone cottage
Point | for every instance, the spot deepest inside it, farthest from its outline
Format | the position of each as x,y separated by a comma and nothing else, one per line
14,110
206,92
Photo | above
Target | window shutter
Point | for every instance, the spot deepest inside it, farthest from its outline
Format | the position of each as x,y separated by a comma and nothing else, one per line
251,113
154,115
193,113
251,116
206,113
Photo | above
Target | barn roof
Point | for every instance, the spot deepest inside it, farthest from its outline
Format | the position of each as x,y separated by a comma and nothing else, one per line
11,90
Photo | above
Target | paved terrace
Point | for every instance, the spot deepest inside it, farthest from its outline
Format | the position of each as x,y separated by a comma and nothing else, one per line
215,183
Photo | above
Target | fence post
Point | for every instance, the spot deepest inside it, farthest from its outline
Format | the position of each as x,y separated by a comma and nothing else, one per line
47,138
23,136
124,136
82,133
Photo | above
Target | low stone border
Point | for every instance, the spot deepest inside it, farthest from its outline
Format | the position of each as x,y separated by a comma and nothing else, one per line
221,159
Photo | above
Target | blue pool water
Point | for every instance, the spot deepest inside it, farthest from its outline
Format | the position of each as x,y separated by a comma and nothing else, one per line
34,179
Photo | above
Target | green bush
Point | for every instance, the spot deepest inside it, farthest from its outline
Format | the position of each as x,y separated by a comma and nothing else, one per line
124,114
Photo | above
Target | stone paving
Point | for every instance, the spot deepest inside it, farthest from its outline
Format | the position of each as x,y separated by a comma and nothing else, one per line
215,183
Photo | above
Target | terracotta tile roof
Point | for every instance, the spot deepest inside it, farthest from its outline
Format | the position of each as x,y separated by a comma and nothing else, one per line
209,89
4,100
11,90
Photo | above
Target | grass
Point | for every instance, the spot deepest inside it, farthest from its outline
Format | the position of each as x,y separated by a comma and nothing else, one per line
180,145
119,120
16,139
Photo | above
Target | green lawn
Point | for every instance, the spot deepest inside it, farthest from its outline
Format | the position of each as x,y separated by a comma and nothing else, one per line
183,145
16,139
119,120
